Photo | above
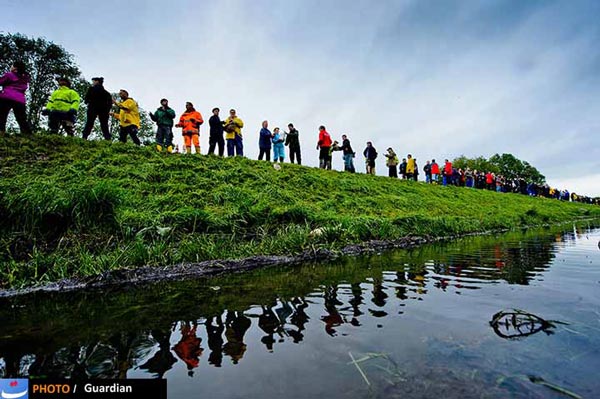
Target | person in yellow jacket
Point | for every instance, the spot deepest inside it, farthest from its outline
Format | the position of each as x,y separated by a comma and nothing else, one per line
410,167
62,108
233,134
128,116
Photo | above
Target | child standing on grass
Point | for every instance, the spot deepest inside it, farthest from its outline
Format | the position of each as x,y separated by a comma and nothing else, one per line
278,147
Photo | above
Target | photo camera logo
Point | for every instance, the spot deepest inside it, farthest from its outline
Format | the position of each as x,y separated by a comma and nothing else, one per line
14,388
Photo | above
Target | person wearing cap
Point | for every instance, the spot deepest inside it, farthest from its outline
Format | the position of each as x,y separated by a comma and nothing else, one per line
163,116
128,116
62,108
99,102
292,140
392,163
216,133
233,134
190,122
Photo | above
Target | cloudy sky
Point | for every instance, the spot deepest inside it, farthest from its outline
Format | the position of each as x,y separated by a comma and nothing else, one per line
433,78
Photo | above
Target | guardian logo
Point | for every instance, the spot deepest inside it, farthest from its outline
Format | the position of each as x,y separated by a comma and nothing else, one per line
14,388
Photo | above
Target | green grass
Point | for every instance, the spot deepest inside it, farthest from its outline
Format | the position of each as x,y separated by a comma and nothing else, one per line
73,208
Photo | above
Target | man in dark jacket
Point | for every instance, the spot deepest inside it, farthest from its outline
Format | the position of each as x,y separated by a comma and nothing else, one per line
348,155
216,133
427,170
99,102
403,168
292,140
264,142
370,154
163,117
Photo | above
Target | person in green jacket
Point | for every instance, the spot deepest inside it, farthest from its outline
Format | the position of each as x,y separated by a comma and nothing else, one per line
164,119
62,108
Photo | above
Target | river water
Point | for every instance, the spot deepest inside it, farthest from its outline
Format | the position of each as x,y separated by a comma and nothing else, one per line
512,315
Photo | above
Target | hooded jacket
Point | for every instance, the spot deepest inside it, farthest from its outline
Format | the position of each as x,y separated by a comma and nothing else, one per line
435,169
190,122
14,87
410,166
277,141
129,113
63,99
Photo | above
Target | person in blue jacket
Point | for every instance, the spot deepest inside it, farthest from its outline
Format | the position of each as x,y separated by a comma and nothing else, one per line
278,147
264,142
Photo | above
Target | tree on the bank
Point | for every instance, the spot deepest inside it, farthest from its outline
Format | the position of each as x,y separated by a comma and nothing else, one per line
506,165
45,62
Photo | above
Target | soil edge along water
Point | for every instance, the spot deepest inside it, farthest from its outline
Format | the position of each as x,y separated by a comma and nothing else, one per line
94,212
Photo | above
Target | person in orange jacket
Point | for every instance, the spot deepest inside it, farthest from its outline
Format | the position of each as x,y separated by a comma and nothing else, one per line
190,123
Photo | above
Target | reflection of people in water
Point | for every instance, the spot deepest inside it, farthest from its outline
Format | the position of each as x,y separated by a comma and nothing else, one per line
417,274
379,297
299,319
356,301
236,326
333,318
269,323
401,287
215,340
163,359
188,348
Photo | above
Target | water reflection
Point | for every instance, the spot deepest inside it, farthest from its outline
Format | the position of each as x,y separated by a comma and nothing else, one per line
151,330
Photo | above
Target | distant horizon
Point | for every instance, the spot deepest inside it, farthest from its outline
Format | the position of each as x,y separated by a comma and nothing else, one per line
434,79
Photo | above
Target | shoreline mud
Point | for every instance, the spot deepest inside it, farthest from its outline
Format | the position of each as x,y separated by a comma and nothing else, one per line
135,277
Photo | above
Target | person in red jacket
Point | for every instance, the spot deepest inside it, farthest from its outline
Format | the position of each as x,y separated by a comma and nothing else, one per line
435,171
324,145
188,348
447,173
190,123
489,180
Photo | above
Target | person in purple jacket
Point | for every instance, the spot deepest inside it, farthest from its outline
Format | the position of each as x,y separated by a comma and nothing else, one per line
12,96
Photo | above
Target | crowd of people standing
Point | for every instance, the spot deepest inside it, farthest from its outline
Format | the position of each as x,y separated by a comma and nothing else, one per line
63,105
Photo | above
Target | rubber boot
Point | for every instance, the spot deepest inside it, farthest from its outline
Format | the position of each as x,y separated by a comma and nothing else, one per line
169,149
198,149
188,150
159,148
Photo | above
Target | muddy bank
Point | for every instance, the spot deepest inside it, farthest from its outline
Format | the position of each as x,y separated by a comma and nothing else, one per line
148,275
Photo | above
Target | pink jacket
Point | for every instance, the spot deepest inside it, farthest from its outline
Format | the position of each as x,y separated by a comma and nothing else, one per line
14,87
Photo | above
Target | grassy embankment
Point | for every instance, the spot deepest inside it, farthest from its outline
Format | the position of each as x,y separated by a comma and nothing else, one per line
74,208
